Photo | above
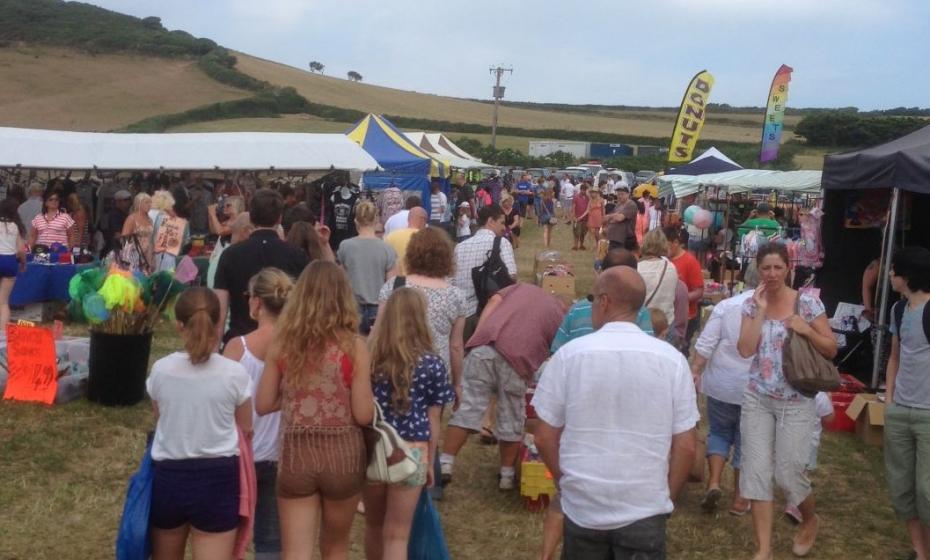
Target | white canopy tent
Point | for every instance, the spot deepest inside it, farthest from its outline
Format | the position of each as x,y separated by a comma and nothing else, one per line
437,144
742,180
715,153
245,151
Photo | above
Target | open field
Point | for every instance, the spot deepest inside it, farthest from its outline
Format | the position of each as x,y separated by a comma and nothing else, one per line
66,89
64,471
376,99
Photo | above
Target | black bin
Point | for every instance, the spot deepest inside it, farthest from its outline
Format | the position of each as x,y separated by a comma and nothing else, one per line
117,367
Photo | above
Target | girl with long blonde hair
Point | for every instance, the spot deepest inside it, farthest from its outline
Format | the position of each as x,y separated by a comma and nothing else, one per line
411,387
318,375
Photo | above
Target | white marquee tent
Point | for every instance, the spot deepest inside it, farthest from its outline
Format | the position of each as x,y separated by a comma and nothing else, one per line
742,180
245,151
437,144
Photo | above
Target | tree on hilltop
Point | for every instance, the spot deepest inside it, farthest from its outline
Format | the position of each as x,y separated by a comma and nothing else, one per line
317,67
354,76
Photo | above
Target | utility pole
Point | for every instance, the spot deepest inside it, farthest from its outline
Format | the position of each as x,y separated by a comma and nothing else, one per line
498,95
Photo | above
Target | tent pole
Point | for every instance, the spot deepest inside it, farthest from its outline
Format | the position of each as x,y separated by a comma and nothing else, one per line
884,284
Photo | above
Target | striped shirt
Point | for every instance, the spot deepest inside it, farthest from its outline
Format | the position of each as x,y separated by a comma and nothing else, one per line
54,230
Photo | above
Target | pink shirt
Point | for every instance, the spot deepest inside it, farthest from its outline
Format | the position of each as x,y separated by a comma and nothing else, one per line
54,230
522,327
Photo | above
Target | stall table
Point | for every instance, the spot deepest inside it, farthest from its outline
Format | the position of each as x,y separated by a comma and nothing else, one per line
45,282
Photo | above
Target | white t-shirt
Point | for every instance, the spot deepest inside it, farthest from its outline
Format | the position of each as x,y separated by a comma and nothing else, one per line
197,406
664,298
727,373
568,190
620,396
396,222
464,227
264,428
9,233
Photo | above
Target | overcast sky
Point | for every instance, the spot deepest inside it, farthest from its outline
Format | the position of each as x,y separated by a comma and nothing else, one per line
865,53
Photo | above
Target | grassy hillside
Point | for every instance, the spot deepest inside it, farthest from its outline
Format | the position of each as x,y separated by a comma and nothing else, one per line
51,87
376,99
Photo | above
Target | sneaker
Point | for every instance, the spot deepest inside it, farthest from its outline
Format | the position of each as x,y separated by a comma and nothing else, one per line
445,473
505,483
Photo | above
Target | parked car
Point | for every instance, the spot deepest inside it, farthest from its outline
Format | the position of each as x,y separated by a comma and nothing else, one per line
616,175
536,172
645,176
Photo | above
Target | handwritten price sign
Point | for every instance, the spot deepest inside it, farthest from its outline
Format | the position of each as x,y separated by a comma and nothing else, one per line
31,358
170,235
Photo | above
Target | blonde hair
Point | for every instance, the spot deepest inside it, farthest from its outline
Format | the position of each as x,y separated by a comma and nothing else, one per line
320,311
401,339
507,200
162,200
655,244
238,204
366,214
140,199
198,310
272,286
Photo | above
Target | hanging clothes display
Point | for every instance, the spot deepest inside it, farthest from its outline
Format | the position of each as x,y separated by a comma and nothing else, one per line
390,202
341,217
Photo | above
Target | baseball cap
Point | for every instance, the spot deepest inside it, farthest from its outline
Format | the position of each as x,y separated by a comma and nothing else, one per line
122,194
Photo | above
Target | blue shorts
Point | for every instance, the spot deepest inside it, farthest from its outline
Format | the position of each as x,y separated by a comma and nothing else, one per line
201,492
9,266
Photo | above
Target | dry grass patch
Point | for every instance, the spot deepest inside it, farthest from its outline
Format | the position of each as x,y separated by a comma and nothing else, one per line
66,89
377,99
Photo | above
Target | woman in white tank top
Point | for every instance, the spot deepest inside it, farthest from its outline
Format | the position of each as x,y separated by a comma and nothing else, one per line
268,292
12,255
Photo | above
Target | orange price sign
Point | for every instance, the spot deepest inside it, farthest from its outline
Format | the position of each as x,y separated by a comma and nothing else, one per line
32,365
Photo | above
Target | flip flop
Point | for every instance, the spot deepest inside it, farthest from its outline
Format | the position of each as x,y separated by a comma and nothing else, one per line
740,513
709,503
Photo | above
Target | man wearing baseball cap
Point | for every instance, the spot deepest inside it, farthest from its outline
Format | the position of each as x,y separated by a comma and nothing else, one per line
122,201
761,218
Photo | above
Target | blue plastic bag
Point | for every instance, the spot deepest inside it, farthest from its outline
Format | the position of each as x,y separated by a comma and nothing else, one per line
427,541
132,541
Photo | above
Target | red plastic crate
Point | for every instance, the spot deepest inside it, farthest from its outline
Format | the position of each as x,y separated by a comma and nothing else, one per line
849,384
841,422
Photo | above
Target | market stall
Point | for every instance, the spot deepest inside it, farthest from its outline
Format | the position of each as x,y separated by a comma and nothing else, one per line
437,145
875,200
401,163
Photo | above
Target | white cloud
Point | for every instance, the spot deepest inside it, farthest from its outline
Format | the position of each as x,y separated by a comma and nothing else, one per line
286,13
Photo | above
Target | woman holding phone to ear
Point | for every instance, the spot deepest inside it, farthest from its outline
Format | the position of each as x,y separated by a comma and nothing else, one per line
776,420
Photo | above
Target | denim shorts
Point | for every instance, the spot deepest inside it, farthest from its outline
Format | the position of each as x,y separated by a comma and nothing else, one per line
201,492
724,430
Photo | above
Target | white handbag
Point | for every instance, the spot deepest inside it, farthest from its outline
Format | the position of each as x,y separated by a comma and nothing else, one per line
391,459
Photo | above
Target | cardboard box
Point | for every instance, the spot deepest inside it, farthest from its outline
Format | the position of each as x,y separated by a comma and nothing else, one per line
869,414
563,286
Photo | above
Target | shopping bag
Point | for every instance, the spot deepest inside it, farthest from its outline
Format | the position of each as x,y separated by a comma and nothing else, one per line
132,541
427,542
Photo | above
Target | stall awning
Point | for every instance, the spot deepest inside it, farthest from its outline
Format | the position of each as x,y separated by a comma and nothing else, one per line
903,163
441,147
58,149
742,180
393,151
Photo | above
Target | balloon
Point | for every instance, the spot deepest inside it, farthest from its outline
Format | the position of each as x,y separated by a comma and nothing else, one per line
702,219
689,213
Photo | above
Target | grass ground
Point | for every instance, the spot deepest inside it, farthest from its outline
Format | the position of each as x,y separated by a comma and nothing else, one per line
63,474
70,90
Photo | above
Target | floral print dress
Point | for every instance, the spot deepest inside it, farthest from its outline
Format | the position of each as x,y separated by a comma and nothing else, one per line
766,376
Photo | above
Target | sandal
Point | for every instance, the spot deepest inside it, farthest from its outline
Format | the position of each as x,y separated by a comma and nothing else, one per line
740,512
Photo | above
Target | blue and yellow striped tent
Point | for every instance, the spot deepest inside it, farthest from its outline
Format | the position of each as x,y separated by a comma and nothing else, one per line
403,163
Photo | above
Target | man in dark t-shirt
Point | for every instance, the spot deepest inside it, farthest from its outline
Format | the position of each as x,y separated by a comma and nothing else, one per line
238,263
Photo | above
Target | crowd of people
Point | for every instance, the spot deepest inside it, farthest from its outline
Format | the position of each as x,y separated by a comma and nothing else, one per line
297,340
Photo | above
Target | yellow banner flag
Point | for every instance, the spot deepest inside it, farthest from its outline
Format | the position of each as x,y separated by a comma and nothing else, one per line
691,118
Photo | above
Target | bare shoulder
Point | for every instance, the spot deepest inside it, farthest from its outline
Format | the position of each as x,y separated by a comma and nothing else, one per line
233,349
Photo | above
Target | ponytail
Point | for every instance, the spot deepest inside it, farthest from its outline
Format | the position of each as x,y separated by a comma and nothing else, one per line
198,310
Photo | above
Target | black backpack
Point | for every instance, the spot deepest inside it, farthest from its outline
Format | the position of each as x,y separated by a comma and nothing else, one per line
898,312
490,277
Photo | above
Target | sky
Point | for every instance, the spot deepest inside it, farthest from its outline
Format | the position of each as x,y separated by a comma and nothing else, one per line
863,53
